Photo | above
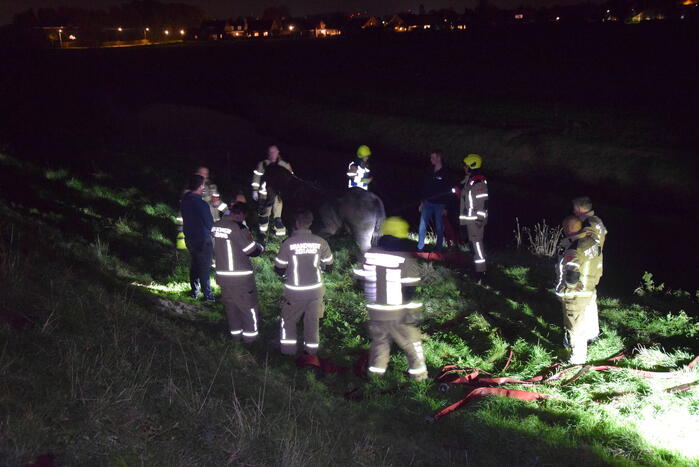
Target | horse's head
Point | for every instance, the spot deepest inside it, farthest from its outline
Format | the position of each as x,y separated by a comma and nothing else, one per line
278,178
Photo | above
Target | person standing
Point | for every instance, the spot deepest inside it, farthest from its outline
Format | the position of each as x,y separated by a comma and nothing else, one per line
196,225
233,247
391,275
301,260
578,275
270,203
436,194
593,226
358,171
211,194
473,214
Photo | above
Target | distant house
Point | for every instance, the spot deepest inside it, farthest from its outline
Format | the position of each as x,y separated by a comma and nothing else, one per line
410,22
263,28
214,30
237,28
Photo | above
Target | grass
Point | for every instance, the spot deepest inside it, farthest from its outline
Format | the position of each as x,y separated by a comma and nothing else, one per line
105,361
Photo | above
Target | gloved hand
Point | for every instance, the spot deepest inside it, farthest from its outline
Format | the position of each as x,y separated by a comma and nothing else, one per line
255,195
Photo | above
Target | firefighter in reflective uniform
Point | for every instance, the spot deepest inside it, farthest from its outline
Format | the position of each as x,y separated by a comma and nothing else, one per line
391,275
593,227
473,214
270,203
233,247
578,275
302,258
358,171
211,194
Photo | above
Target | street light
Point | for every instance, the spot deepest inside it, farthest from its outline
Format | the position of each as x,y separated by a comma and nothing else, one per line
181,32
119,29
145,33
291,27
167,33
60,38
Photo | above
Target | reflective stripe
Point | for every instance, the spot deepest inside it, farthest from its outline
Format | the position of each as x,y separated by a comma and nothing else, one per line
280,232
394,289
296,270
283,331
374,369
560,274
468,218
479,261
255,185
350,174
315,265
312,346
363,273
233,273
288,341
418,350
254,319
383,259
417,371
263,192
329,258
481,213
250,334
570,263
237,332
574,294
410,280
264,227
249,247
230,255
482,195
222,207
303,287
411,305
281,261
256,172
480,253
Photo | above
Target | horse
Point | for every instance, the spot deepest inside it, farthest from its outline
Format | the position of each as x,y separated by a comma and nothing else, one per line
359,211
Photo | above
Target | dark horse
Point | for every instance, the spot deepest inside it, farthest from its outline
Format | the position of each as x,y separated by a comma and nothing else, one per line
360,211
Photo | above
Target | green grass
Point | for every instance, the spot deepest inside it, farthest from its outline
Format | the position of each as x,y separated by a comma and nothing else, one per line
111,363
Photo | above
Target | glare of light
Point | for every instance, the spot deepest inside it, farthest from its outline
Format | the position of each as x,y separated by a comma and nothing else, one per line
119,29
323,31
60,30
291,27
181,32
673,428
71,37
558,18
147,29
167,32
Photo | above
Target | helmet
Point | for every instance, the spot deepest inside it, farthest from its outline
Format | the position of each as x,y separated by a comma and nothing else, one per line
395,227
473,161
363,151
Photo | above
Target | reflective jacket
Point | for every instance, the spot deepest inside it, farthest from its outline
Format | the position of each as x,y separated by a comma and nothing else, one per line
594,226
387,274
303,256
259,172
474,199
233,247
579,268
357,171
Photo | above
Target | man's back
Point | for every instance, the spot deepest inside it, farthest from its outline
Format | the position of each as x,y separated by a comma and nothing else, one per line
196,218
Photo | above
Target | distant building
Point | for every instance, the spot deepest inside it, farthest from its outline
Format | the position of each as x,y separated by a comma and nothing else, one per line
411,22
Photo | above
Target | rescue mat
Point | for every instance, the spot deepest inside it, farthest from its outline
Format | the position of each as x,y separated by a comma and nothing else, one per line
485,382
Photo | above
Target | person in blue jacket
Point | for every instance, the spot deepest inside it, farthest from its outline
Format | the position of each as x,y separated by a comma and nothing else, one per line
197,223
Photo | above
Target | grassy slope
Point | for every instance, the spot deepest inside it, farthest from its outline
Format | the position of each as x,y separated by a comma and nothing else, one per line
102,371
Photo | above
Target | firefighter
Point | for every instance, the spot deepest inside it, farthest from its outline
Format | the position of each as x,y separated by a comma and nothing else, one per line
233,247
196,226
270,203
579,273
358,171
390,274
594,227
473,214
301,260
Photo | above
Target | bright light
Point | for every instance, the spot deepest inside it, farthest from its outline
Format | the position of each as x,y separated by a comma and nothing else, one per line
167,32
147,29
181,32
71,37
119,29
291,27
670,427
60,30
323,31
558,18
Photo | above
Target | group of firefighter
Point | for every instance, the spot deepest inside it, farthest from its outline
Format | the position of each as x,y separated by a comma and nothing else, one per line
216,230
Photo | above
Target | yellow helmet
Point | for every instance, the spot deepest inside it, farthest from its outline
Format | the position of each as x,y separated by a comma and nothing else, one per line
363,151
474,161
395,227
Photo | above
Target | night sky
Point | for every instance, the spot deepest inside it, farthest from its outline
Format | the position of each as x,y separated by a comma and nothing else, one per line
229,8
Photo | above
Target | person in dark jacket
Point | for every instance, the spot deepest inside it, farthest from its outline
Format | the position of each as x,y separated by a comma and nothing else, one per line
436,194
197,222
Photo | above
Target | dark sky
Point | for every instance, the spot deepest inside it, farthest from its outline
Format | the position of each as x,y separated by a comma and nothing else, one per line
227,8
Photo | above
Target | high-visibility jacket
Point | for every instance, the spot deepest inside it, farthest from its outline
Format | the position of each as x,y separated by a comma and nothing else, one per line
259,172
387,273
594,226
579,268
304,256
357,172
474,199
233,247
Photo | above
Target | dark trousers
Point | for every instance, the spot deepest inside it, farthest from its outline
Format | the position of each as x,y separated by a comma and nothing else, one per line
201,254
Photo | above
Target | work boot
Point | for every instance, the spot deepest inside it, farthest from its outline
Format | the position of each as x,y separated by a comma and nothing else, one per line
264,224
279,228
